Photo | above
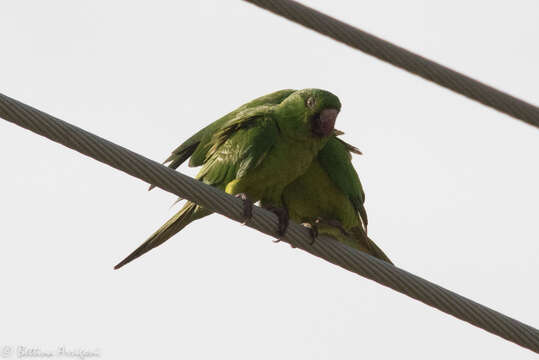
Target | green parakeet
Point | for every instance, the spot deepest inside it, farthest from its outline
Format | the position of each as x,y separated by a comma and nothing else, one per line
254,152
330,198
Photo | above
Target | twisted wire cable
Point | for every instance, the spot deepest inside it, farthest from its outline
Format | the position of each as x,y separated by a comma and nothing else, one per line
402,58
266,222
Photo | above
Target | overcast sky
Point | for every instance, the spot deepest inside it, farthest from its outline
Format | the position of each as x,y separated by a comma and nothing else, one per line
451,185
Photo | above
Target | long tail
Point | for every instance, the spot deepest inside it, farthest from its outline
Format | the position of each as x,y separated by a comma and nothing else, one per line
187,214
367,245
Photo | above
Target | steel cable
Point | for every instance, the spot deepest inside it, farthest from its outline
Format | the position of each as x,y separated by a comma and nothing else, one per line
402,58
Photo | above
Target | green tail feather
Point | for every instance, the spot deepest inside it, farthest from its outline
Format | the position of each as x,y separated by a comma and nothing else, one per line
377,252
187,214
371,248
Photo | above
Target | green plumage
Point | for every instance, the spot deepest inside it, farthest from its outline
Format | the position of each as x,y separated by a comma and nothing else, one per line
331,190
197,146
255,150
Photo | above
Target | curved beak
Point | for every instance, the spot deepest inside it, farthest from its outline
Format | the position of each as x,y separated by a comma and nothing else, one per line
326,122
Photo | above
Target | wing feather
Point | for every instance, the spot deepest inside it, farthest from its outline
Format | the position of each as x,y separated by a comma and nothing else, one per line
239,146
197,146
335,158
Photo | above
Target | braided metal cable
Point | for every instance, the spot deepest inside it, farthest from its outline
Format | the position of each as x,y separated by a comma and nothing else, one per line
402,58
266,222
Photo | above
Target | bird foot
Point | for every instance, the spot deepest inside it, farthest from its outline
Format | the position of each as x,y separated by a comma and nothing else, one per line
247,207
313,231
282,215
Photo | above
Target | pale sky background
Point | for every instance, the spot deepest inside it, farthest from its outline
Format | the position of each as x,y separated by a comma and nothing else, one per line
451,185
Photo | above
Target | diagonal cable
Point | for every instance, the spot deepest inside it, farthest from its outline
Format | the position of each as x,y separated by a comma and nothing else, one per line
402,58
217,201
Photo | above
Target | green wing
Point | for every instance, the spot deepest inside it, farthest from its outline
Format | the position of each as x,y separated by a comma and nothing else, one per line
239,146
198,145
188,147
335,159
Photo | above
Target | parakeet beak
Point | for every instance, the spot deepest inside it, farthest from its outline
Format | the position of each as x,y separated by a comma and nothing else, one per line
337,132
323,124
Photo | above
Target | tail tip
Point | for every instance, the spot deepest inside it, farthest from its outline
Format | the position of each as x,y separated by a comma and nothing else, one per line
119,265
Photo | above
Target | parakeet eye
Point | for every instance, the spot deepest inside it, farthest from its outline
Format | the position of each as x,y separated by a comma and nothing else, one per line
310,102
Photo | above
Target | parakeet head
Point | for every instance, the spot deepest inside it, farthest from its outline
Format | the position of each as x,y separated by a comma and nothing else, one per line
309,113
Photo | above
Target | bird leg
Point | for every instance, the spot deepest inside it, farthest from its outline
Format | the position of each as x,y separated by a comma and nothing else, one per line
282,215
247,207
313,227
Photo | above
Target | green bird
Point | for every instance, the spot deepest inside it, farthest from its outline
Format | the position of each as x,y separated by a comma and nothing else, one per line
253,153
329,199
